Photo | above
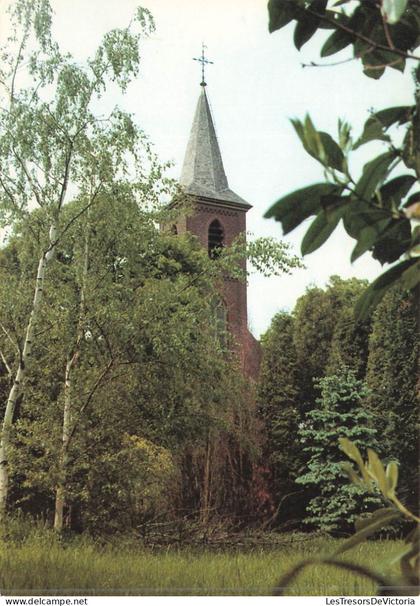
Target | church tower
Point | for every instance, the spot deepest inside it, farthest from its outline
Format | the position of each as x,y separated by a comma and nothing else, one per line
218,218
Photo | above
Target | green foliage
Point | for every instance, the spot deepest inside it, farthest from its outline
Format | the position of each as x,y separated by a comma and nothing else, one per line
381,35
392,376
152,367
278,407
349,343
340,412
374,477
326,335
317,339
373,207
120,340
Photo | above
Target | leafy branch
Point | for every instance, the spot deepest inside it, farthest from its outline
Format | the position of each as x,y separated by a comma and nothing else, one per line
374,209
373,477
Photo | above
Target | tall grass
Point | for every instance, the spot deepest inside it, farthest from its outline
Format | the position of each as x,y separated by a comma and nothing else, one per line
40,564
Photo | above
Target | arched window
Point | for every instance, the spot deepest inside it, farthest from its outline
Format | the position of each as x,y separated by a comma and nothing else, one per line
216,238
174,230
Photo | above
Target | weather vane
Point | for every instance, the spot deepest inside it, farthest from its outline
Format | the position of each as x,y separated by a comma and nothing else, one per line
203,62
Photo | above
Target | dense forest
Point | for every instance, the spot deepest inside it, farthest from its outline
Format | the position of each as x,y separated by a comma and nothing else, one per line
326,375
135,408
136,411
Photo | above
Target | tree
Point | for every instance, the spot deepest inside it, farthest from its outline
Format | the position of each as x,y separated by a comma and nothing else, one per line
322,318
52,142
317,339
278,407
340,413
392,377
349,345
313,331
150,362
376,207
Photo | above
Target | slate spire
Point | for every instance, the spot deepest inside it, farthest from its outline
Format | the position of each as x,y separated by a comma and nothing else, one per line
203,174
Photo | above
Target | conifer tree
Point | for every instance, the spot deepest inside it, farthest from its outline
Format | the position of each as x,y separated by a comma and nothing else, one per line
278,406
340,412
392,376
326,335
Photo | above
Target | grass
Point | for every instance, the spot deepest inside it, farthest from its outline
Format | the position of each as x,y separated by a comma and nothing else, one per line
39,564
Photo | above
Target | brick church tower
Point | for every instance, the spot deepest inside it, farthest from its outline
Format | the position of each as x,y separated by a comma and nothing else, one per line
219,217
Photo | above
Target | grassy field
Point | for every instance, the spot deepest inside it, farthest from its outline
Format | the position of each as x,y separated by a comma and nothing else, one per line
40,565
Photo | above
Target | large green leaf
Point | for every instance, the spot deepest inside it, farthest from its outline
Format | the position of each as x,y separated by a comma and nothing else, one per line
301,204
375,229
321,228
319,144
392,476
378,514
281,12
376,125
336,42
393,9
308,23
374,172
378,471
393,242
379,519
361,214
333,155
411,277
392,192
351,450
406,33
373,66
311,138
372,131
368,236
394,115
375,292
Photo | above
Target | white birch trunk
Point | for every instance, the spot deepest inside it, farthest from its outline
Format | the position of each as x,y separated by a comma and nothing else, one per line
72,359
25,357
67,419
206,498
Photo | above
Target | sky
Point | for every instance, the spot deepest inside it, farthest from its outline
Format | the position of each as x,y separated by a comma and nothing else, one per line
256,84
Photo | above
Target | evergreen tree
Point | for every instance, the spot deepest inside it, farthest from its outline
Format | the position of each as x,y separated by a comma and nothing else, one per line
340,412
349,345
392,376
326,335
312,335
278,407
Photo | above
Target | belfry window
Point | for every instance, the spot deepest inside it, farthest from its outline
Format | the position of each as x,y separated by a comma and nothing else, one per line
216,238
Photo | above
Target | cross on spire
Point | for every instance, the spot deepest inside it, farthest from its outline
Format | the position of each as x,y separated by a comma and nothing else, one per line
204,61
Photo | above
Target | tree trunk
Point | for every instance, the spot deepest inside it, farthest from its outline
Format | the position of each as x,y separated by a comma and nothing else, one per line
72,359
17,386
205,511
62,472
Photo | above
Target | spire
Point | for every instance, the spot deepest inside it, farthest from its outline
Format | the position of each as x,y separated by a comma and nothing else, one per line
203,173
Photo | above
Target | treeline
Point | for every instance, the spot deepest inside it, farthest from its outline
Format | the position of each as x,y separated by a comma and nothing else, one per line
134,410
324,375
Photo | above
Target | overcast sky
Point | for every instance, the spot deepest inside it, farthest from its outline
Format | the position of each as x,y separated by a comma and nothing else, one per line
255,86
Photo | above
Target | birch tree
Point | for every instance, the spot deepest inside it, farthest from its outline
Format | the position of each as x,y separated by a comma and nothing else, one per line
52,144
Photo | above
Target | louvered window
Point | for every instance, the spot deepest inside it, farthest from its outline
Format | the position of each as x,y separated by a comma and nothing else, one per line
216,238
